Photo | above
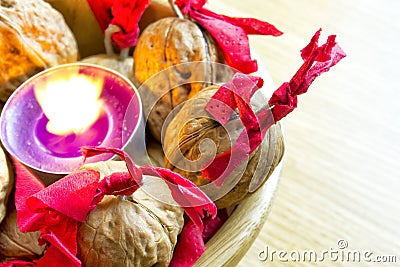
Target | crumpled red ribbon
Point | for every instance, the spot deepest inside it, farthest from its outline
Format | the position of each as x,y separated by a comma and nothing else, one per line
230,33
191,243
17,263
122,13
237,94
195,202
284,99
234,94
57,210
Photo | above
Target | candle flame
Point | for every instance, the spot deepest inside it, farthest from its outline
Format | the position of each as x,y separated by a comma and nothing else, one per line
70,102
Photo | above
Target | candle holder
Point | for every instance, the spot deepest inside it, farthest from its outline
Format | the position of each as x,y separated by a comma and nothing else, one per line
37,122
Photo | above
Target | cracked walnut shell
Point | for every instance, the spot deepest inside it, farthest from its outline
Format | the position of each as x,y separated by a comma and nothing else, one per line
164,49
6,183
17,245
129,231
187,148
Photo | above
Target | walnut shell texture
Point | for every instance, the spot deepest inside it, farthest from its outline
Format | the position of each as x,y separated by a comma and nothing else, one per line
158,9
17,245
6,183
184,142
33,36
169,43
137,231
123,66
82,22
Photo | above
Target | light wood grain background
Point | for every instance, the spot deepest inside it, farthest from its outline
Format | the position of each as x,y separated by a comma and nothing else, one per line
341,178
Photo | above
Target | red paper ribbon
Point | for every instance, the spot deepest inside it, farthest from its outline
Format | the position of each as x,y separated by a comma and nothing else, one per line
284,99
122,13
236,94
191,244
194,201
54,212
230,33
57,210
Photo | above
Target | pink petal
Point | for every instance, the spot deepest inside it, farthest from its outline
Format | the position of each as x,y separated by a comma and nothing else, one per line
17,263
307,51
102,12
123,13
230,33
284,99
126,15
71,195
190,246
232,40
194,201
27,184
135,172
118,184
283,102
223,103
191,241
63,246
249,25
212,225
337,54
236,94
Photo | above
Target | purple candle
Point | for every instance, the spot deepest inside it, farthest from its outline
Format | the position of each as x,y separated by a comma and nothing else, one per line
54,113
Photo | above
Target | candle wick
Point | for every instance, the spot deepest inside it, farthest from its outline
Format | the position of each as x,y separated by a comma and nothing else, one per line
111,29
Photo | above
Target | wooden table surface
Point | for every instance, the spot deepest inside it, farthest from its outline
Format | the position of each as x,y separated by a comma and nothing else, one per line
341,177
340,184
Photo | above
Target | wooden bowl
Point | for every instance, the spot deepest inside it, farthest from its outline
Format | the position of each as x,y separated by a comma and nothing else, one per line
228,246
232,241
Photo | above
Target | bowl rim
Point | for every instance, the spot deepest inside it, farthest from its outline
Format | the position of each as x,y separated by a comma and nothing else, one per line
233,240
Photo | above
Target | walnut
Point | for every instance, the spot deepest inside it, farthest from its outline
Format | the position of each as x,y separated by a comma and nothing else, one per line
170,42
6,183
186,150
114,62
33,36
17,245
13,243
133,231
82,22
157,10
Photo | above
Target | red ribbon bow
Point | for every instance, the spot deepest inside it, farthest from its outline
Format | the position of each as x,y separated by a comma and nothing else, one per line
230,33
57,210
122,13
237,94
194,201
233,95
